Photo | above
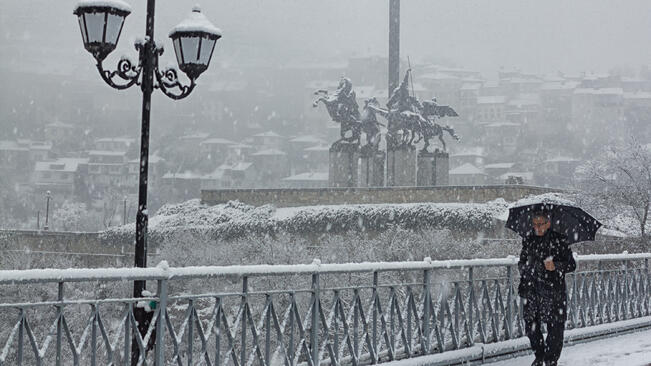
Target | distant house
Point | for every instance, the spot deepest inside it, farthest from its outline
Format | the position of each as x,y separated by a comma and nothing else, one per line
237,175
473,155
14,156
58,132
495,170
106,169
216,148
114,143
270,165
467,175
490,108
184,186
156,166
59,176
268,140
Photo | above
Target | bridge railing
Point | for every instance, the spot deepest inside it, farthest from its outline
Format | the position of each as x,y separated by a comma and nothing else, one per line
288,315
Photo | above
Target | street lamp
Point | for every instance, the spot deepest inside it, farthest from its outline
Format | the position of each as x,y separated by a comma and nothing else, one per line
101,22
47,209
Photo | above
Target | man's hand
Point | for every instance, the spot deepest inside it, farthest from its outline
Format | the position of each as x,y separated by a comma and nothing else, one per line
549,264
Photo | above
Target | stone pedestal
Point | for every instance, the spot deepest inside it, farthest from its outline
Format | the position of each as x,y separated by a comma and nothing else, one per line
433,168
371,168
401,167
343,165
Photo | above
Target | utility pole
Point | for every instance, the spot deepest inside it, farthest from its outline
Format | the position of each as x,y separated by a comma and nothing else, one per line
394,45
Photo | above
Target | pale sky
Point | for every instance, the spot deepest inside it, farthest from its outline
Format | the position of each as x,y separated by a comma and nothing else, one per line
535,36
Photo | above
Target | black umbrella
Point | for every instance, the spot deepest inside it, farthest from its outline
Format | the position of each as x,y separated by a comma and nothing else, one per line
573,222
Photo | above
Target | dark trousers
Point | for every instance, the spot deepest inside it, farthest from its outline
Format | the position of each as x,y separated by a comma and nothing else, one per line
553,315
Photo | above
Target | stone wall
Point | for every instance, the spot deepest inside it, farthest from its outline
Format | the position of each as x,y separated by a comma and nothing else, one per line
86,248
338,196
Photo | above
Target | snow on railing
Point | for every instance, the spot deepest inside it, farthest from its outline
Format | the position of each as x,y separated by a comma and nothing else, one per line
163,271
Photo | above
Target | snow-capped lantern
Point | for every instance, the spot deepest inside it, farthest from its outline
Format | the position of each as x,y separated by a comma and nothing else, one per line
194,41
101,23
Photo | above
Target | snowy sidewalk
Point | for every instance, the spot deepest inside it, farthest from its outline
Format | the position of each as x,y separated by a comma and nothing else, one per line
633,349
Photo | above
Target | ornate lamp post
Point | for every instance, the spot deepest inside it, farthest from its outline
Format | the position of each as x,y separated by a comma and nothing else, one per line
194,40
47,210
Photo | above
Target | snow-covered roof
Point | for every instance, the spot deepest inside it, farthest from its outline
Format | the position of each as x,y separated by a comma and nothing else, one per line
502,124
241,166
153,159
637,95
105,153
315,176
185,175
269,152
499,166
127,140
466,169
600,91
267,134
217,141
117,4
560,158
491,99
318,148
60,165
307,139
200,135
240,146
11,145
196,22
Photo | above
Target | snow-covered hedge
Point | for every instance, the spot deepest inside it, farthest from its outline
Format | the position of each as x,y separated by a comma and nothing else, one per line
235,219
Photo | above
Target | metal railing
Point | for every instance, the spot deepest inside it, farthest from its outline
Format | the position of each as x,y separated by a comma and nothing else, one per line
329,314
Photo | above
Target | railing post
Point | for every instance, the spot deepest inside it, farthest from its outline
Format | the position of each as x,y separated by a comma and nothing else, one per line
127,334
574,301
59,322
93,339
626,289
355,327
375,313
292,304
471,304
267,324
392,319
191,331
426,311
509,305
245,304
314,337
647,286
20,337
160,323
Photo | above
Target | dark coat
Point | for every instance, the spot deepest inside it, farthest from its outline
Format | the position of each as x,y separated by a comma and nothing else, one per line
535,281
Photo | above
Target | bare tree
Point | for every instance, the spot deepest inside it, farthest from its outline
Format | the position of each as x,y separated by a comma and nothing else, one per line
620,176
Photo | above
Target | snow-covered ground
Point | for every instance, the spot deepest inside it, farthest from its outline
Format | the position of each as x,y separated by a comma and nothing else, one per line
632,349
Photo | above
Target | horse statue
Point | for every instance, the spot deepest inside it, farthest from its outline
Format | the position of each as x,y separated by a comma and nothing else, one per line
370,124
430,111
343,109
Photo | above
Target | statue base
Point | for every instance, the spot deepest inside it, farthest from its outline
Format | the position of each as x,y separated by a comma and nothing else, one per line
433,168
401,167
372,167
343,165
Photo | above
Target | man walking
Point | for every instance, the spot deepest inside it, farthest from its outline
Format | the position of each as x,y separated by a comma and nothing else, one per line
544,261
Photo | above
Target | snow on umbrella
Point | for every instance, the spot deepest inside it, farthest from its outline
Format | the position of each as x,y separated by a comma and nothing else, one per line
573,222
